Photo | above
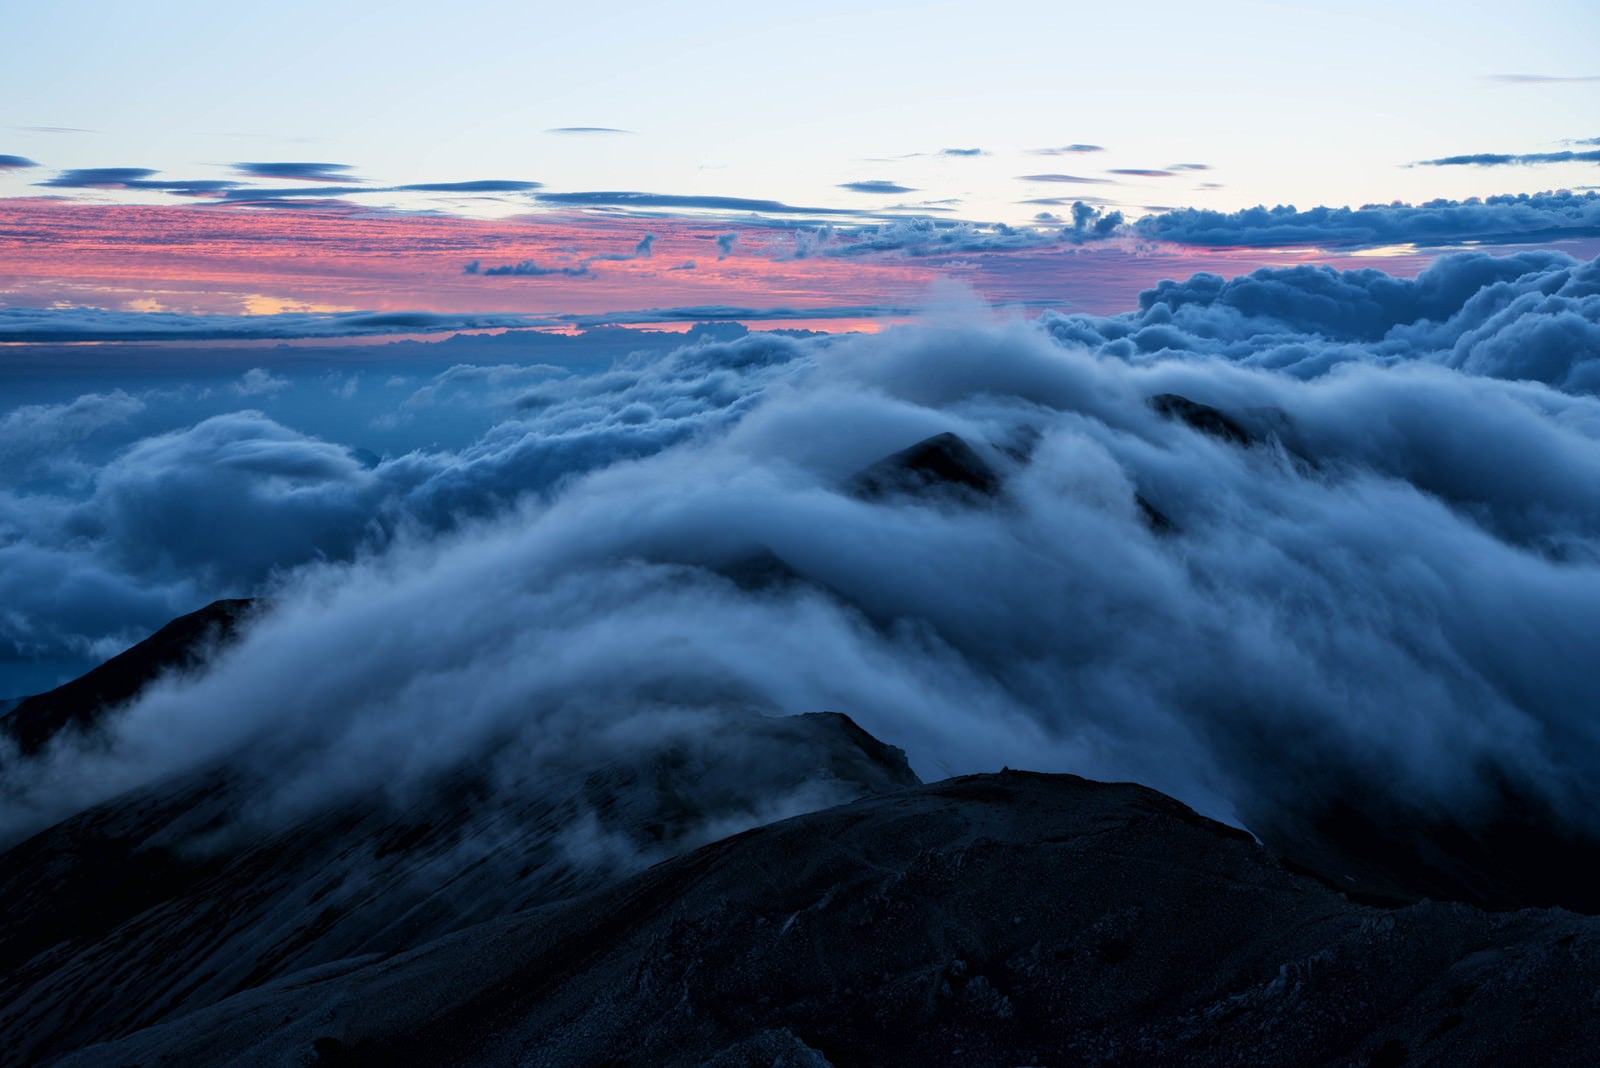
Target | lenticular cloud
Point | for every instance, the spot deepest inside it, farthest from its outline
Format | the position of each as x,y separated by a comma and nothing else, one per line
1260,542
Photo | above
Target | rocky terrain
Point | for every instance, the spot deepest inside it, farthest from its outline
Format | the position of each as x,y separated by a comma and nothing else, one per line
988,920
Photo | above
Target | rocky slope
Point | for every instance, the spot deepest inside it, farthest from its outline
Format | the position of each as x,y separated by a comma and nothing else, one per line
990,920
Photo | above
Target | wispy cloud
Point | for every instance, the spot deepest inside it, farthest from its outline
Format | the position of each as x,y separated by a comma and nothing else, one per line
528,269
1502,159
876,186
95,324
297,171
1076,179
587,130
1066,150
1141,172
488,185
622,199
13,163
142,178
643,250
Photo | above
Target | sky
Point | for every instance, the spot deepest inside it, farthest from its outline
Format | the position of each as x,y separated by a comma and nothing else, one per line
438,316
289,158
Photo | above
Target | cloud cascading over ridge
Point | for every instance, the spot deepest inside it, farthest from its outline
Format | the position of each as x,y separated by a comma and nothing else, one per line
1344,590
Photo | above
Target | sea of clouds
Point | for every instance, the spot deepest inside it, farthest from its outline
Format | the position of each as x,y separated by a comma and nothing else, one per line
1392,586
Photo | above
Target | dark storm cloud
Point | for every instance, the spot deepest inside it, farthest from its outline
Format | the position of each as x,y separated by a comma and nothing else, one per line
11,163
93,324
297,172
667,200
1383,589
876,186
1500,159
488,185
1072,178
1066,150
1496,220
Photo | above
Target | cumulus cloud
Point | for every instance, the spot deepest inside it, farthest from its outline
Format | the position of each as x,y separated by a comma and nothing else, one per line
35,433
932,237
259,382
1523,218
725,244
1375,574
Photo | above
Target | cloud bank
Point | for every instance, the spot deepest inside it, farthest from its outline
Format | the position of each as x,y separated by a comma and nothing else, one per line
1373,571
1522,218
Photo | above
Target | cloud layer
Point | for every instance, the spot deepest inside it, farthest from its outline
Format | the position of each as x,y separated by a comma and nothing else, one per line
1495,220
1383,577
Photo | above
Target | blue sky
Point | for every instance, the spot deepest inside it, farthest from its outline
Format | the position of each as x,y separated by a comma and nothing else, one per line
1284,102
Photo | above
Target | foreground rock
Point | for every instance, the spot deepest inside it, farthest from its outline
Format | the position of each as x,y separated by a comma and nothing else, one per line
990,920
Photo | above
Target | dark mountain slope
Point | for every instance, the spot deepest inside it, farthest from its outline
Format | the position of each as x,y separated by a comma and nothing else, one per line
990,920
172,898
79,704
